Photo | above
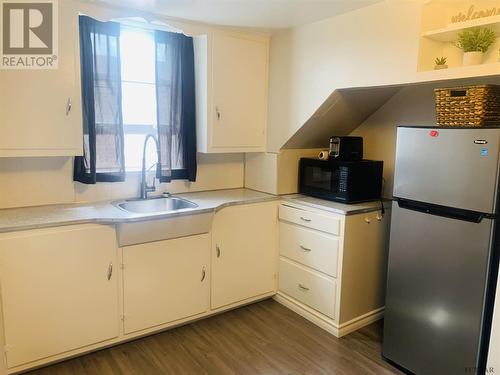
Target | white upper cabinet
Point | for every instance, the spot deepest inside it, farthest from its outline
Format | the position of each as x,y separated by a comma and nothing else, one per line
40,110
231,92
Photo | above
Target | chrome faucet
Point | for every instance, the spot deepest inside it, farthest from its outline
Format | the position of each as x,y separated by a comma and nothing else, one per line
145,189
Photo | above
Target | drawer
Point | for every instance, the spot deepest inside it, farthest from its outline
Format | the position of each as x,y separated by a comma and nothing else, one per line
311,248
306,286
325,223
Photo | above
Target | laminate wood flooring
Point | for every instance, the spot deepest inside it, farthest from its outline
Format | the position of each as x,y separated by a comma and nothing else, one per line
264,338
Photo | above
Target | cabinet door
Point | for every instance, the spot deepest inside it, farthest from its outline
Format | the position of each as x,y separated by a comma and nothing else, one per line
239,86
35,119
59,291
165,281
244,254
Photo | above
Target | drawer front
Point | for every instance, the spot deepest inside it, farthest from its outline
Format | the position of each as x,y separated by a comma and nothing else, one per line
310,248
310,288
324,223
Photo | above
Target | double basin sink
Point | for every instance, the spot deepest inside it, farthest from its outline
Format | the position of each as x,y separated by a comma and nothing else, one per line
155,205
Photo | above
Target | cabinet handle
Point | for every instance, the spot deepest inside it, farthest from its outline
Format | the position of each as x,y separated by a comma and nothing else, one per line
110,271
69,105
217,113
302,287
203,273
217,249
367,220
305,219
305,249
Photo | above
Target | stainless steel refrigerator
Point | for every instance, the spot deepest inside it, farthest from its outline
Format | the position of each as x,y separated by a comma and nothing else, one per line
443,255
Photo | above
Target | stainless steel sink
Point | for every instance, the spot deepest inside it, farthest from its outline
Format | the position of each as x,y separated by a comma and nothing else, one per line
155,205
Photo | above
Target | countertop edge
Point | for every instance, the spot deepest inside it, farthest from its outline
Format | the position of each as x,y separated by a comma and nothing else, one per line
106,212
132,218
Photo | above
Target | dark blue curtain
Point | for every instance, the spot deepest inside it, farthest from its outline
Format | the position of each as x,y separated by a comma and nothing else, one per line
103,157
175,96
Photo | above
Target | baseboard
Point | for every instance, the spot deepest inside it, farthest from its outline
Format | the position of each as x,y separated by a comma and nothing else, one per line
326,323
361,321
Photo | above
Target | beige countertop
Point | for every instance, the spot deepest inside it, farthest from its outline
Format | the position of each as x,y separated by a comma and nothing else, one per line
106,212
335,207
14,219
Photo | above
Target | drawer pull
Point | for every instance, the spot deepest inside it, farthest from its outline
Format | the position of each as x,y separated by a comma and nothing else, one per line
305,249
203,273
302,287
367,220
217,249
305,219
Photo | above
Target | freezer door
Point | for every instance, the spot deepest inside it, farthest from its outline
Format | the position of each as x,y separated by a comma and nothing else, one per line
448,167
435,294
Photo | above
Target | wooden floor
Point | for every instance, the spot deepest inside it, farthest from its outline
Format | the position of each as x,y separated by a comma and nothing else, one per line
263,338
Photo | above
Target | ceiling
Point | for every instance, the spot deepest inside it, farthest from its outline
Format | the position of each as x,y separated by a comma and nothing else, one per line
263,14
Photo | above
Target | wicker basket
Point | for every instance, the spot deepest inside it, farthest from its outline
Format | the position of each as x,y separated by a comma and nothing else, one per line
470,106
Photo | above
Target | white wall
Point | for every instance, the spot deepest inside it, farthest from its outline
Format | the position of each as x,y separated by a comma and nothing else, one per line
372,46
39,181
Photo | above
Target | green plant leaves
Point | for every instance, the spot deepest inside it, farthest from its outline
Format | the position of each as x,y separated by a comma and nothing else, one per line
476,39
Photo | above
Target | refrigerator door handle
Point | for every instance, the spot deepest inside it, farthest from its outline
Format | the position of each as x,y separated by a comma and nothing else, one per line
449,212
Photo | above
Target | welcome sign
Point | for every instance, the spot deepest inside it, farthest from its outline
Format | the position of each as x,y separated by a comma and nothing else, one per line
29,34
473,14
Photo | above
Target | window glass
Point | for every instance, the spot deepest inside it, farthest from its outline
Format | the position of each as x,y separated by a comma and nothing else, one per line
137,49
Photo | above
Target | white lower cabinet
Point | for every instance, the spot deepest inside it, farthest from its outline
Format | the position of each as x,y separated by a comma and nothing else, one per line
333,267
59,290
165,281
244,253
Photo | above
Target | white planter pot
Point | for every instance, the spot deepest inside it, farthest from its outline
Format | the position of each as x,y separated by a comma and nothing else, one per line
438,67
472,58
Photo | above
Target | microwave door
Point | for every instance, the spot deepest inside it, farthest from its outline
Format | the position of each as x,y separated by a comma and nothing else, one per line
318,180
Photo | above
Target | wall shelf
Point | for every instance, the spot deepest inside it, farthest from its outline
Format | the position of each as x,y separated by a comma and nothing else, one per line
459,72
450,32
438,35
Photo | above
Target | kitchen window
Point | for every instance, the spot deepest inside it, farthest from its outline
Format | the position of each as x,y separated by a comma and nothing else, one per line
135,82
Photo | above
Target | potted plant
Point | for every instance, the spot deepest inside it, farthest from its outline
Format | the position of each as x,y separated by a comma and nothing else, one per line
475,42
440,63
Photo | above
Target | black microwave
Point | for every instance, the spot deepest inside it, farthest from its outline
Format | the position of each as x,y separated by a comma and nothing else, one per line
341,180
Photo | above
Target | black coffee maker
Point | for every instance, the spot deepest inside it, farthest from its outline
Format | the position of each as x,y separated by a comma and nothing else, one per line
346,148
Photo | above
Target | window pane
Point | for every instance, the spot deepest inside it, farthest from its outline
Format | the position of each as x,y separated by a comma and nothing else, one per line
139,103
137,55
133,152
137,49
